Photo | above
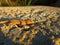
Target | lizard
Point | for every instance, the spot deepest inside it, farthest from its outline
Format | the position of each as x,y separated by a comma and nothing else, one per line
17,22
13,22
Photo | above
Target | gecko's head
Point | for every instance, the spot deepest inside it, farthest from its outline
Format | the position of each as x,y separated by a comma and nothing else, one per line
29,22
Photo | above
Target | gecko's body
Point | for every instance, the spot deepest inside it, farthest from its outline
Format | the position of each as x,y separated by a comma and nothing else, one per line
11,23
18,22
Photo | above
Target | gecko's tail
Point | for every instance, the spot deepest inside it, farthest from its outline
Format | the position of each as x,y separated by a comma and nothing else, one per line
3,22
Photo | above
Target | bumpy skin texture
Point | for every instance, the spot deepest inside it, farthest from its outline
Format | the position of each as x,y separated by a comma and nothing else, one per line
41,33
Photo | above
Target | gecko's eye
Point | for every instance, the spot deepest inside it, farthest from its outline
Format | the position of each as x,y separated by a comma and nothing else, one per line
19,26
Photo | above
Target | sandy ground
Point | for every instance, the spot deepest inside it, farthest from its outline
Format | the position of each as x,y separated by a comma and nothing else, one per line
41,33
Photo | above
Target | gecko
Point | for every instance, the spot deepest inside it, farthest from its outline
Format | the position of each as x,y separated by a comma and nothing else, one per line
17,22
20,23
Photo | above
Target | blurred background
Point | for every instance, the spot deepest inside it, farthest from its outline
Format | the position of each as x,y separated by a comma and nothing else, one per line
30,2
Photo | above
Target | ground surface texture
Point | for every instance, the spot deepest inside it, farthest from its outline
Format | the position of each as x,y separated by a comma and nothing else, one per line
41,33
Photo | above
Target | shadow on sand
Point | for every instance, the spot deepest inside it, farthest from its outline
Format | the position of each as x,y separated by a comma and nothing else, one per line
5,40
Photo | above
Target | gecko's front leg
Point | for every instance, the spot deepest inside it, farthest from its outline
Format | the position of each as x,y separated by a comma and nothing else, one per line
5,29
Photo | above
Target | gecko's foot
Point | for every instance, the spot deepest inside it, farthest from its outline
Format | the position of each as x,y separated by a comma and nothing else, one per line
5,29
